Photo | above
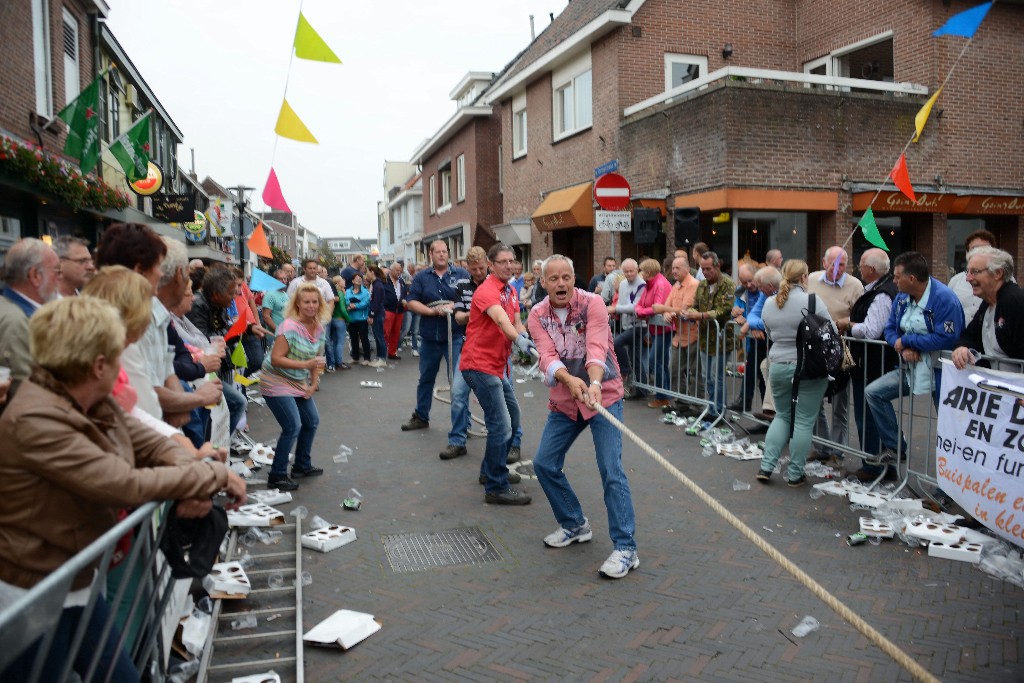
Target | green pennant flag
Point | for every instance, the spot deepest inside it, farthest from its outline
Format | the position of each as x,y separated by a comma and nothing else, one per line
238,357
82,117
131,150
309,45
868,226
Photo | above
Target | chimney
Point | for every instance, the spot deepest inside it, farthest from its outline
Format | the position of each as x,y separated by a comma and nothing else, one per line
533,33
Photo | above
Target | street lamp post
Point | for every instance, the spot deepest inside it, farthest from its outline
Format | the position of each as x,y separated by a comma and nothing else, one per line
242,204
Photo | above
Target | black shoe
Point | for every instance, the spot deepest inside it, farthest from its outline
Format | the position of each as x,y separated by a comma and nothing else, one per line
394,358
311,472
509,496
281,484
798,482
415,422
735,406
758,429
763,476
451,451
514,455
513,478
866,476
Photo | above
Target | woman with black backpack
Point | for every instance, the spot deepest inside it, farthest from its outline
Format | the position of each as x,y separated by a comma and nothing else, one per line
797,401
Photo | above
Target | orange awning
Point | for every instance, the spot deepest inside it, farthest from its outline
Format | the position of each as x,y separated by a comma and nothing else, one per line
933,202
761,200
571,207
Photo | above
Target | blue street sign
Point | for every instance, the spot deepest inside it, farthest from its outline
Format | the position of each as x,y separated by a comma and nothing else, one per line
610,167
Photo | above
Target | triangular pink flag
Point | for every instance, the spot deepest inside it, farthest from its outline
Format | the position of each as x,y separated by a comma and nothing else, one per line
272,195
901,176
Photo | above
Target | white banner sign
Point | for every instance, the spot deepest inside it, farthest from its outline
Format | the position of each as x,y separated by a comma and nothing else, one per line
979,447
613,221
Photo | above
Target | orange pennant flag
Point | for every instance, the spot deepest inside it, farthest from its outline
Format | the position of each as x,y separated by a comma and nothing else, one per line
901,176
238,328
258,242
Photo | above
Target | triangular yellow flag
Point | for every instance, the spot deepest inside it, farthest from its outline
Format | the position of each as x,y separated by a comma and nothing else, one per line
924,113
309,44
289,126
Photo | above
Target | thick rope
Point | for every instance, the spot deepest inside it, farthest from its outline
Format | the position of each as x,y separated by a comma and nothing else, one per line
851,617
439,390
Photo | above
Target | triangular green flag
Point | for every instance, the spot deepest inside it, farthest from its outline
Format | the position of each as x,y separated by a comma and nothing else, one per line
82,117
131,150
309,44
238,357
868,226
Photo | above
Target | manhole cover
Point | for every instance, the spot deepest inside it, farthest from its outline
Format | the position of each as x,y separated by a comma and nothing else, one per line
416,552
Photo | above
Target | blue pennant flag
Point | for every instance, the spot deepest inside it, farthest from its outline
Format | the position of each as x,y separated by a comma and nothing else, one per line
965,23
261,282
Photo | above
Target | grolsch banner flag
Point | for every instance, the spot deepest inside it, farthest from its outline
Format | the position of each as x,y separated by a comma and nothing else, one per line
131,149
82,117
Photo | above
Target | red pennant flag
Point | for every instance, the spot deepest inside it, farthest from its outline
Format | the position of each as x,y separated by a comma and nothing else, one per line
238,328
258,242
272,195
901,177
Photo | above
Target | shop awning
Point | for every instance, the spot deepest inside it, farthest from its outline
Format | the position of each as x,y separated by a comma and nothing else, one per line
761,200
572,207
937,202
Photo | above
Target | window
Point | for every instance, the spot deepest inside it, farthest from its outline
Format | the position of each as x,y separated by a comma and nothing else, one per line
871,60
433,195
681,69
113,105
460,178
446,187
573,105
519,125
72,68
41,57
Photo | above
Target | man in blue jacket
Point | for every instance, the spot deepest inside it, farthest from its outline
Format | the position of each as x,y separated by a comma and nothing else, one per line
926,318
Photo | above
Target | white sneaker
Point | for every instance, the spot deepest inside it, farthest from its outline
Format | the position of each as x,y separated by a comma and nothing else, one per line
564,537
364,362
379,363
619,563
416,353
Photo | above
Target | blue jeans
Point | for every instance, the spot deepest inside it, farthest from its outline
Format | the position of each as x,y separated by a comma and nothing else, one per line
299,420
631,353
559,434
411,323
378,337
713,367
661,345
336,346
460,410
879,396
808,403
431,353
501,415
110,658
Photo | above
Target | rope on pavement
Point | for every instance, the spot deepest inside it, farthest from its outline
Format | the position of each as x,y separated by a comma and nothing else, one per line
851,617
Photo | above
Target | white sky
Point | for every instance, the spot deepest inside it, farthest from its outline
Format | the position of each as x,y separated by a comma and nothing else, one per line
219,67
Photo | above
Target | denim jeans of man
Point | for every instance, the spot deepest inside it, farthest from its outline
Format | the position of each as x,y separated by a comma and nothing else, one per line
378,338
299,420
254,353
236,406
560,432
339,329
112,658
431,355
839,430
879,396
683,373
460,410
632,353
657,363
713,384
757,349
809,396
501,416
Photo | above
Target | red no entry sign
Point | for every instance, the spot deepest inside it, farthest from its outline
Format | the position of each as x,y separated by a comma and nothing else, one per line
611,192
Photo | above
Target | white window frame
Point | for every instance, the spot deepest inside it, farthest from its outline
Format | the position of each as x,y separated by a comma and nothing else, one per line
501,172
834,63
433,195
566,84
41,57
72,63
673,58
460,178
520,130
446,188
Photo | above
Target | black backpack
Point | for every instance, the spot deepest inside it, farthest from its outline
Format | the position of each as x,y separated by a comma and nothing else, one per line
819,348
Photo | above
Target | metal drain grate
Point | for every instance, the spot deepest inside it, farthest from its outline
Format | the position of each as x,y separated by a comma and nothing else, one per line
416,552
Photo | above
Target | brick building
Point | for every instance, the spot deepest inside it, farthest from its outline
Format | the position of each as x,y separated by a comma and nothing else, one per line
776,120
461,197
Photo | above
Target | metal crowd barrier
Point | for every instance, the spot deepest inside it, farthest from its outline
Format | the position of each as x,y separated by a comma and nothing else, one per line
142,591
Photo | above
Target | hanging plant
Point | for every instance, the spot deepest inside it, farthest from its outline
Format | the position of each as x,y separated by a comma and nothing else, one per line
58,178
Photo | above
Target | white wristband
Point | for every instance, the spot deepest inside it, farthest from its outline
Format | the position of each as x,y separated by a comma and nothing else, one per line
595,381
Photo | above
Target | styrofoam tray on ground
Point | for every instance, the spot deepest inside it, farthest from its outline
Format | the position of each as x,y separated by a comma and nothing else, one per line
835,487
738,452
961,552
227,580
271,496
329,538
949,534
255,514
871,499
343,629
371,385
264,455
875,527
269,677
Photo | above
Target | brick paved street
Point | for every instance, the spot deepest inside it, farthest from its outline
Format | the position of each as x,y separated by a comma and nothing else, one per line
705,604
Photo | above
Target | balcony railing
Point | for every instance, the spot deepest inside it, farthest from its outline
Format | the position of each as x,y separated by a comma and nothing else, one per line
771,76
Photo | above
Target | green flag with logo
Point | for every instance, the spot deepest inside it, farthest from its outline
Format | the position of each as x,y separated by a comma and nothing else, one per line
131,150
82,117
